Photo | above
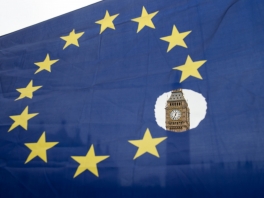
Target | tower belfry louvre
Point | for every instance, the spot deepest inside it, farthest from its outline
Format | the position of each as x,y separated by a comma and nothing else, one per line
177,112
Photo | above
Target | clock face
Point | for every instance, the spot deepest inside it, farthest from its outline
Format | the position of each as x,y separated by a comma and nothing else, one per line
175,114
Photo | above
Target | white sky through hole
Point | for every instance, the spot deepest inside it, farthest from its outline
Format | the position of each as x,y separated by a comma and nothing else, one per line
196,102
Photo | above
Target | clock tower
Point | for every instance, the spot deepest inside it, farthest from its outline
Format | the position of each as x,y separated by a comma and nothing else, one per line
177,112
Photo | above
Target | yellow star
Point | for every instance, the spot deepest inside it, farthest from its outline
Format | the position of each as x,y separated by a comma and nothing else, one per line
22,119
88,162
107,21
39,148
147,144
176,38
72,38
145,19
46,64
190,68
28,91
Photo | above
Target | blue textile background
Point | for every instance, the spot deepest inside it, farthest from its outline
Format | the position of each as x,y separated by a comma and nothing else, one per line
104,92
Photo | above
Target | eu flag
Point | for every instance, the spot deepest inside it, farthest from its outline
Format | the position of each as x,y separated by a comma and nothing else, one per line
135,98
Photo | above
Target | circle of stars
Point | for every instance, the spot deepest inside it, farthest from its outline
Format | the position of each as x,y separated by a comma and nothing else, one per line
147,144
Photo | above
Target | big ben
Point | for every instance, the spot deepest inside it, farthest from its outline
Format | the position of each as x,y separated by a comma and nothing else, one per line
177,112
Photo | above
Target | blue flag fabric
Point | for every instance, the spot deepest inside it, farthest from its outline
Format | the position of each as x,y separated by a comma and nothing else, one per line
78,96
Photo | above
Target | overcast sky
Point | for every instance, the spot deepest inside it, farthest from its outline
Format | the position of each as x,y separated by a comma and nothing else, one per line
18,14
